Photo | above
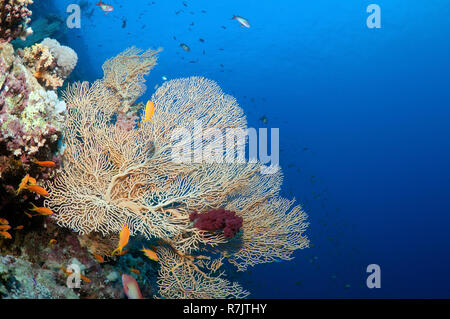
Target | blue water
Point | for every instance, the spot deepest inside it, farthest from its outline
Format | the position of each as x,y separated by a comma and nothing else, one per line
363,115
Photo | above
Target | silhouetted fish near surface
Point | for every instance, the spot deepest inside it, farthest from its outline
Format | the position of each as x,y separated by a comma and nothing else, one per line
185,47
201,40
124,23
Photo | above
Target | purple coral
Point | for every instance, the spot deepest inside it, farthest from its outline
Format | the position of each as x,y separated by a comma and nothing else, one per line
14,16
218,219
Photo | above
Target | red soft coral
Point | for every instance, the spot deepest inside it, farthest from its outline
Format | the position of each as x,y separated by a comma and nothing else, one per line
218,219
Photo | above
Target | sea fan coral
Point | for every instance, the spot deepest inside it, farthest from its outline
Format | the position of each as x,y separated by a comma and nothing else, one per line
124,74
115,175
14,16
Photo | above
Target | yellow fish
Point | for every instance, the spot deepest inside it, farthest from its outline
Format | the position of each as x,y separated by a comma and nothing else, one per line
149,111
23,183
123,241
150,254
44,211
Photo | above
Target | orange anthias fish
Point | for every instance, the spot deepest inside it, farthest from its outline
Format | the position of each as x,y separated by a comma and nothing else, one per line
4,227
52,242
5,234
37,189
99,258
19,227
23,183
136,271
150,254
131,287
149,111
31,181
4,221
244,22
105,7
44,211
123,241
45,163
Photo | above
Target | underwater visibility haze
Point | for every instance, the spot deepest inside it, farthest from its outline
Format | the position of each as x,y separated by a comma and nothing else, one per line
224,149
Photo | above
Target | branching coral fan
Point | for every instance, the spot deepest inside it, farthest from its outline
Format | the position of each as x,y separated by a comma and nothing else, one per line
114,175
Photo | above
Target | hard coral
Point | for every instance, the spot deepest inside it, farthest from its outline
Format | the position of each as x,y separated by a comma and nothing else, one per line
42,64
14,16
218,219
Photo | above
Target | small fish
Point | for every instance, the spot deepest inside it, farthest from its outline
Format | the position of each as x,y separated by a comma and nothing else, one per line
164,78
23,184
124,23
29,215
122,253
37,189
264,119
52,242
4,221
123,241
150,254
85,279
99,258
244,22
201,40
131,287
44,163
185,47
65,270
149,111
44,211
136,271
4,227
32,181
5,234
105,7
19,227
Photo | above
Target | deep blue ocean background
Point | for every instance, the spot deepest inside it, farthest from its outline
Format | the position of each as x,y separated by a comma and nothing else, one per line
363,114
